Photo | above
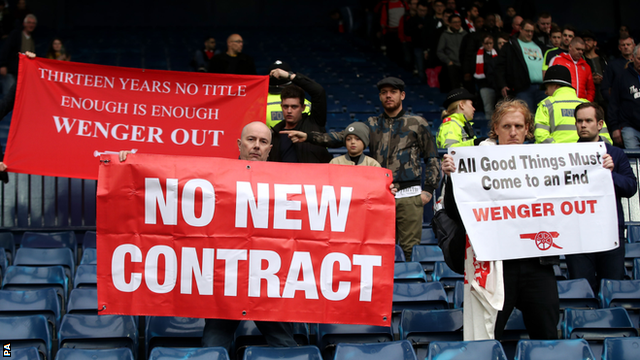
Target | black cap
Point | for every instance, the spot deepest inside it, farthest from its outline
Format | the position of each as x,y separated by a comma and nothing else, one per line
457,94
557,74
278,64
588,35
391,81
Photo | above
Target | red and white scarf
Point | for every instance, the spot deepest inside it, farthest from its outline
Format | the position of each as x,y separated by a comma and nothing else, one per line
480,63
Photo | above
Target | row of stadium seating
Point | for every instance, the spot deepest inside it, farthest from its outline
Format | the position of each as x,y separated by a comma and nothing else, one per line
578,349
421,328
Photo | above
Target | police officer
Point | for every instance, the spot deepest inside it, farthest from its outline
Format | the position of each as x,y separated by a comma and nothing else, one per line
274,108
555,121
456,127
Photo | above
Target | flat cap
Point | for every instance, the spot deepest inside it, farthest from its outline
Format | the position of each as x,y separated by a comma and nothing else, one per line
391,81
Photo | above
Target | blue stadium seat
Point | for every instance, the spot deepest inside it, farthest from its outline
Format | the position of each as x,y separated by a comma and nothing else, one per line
428,237
172,331
636,269
514,331
46,257
92,354
576,294
32,302
283,353
25,353
466,350
329,335
89,257
620,293
207,353
631,252
633,233
421,327
31,278
83,301
4,263
86,276
427,255
8,243
554,349
419,296
50,240
444,274
458,295
408,272
397,350
621,349
27,331
597,324
400,254
416,296
89,240
98,332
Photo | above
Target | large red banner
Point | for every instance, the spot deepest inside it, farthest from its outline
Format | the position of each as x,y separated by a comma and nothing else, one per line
220,238
67,113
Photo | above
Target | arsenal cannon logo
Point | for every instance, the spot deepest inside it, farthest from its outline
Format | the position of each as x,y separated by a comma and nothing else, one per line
543,239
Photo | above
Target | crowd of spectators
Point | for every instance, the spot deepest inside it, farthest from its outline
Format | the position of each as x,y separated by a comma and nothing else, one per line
472,44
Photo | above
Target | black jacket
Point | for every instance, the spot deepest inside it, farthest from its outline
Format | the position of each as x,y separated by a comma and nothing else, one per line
316,121
10,50
624,103
511,69
242,64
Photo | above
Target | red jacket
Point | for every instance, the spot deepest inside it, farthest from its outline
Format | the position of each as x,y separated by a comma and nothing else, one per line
581,77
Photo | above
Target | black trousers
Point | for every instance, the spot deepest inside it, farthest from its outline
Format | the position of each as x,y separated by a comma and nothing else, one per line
597,266
532,288
220,332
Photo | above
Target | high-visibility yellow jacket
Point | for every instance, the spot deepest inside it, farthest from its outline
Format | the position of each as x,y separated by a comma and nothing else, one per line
555,121
455,130
274,110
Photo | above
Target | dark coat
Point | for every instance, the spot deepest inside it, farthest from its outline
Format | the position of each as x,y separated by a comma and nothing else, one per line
240,65
511,68
624,103
315,121
10,50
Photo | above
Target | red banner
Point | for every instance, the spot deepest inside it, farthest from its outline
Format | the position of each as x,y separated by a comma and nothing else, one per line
220,238
67,113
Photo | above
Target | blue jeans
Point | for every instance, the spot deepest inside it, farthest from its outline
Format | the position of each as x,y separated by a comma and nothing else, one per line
532,96
630,137
220,332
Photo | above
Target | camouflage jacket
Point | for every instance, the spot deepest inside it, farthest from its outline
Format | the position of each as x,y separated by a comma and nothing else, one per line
397,144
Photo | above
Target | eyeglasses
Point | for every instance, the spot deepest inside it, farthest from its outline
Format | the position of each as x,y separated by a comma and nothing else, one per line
237,41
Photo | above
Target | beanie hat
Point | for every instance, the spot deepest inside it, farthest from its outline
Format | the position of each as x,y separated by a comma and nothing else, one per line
360,130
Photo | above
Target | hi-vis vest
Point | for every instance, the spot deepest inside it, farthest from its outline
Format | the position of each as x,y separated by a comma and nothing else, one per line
274,110
555,120
455,131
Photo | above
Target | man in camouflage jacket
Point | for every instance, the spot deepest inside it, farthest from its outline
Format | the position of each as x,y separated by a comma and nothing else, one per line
398,141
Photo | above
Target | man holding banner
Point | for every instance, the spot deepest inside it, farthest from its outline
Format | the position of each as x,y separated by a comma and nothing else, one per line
607,264
494,288
254,145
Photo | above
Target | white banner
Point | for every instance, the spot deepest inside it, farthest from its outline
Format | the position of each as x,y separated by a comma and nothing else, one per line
522,201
